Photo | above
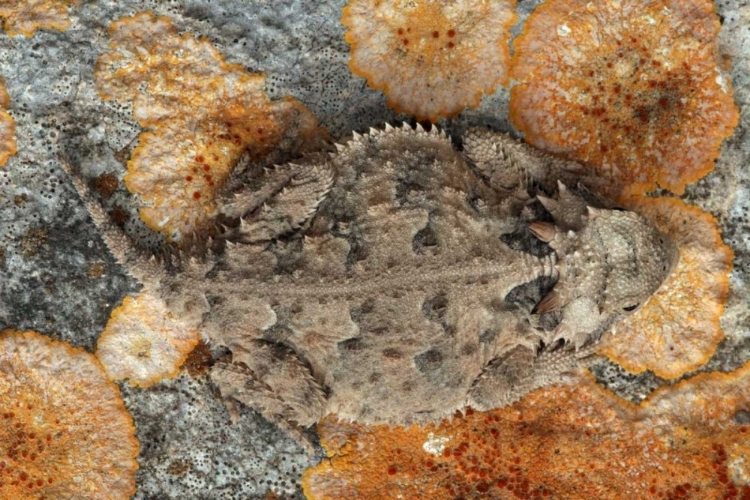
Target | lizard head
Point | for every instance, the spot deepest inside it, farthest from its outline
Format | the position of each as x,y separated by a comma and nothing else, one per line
610,261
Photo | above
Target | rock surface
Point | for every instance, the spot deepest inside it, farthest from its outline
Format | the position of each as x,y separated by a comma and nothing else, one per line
56,276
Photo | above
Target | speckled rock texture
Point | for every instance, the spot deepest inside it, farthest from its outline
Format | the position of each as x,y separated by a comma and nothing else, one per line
56,276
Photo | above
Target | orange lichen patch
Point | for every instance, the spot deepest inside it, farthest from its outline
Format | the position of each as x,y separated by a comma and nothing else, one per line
199,360
4,97
24,17
631,88
434,58
568,442
7,127
64,430
678,329
144,342
203,113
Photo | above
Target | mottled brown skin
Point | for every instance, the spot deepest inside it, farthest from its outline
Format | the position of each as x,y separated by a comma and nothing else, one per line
400,280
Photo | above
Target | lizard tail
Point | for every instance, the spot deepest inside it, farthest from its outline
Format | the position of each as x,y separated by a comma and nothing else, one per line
144,268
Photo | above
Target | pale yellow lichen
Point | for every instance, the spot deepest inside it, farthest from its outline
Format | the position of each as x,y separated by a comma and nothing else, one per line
678,329
7,127
143,342
24,17
203,114
433,58
631,88
64,430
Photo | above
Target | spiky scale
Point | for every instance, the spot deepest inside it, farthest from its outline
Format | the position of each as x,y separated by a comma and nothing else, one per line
398,285
396,256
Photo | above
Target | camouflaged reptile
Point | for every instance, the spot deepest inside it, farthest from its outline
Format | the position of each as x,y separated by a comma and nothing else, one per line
400,279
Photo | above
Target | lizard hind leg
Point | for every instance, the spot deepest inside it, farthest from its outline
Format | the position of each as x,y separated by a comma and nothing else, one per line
272,379
509,377
281,202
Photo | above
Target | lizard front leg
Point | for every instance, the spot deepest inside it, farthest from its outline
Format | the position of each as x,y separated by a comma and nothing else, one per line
508,164
520,370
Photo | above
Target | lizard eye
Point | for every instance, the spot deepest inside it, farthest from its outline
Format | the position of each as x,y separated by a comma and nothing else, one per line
630,308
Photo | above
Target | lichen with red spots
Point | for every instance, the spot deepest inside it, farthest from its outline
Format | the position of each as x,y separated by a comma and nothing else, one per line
631,88
203,113
431,59
64,429
570,442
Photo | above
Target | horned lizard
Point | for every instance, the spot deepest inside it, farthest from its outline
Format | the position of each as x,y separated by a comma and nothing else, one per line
400,279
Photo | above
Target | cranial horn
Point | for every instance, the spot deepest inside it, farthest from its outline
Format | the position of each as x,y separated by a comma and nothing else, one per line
548,203
550,302
593,212
545,231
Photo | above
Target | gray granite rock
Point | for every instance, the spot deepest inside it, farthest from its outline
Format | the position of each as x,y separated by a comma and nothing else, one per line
56,276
